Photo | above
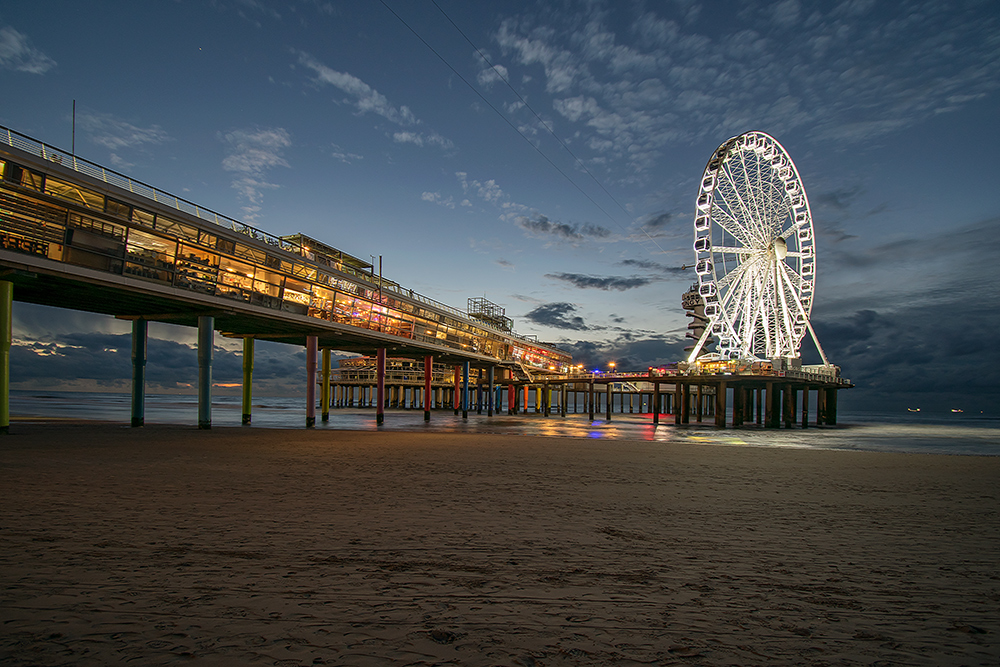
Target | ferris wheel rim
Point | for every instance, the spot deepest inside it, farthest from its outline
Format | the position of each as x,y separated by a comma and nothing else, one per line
758,283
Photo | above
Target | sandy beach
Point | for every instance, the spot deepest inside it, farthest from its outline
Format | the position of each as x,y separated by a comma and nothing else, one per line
169,545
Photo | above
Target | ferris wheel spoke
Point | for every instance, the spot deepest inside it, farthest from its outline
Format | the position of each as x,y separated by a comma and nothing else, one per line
736,250
747,216
733,226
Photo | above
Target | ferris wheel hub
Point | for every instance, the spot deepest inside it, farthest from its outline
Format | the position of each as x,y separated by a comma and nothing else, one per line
780,248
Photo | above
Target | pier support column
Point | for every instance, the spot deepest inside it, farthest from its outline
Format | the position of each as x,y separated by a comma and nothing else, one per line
738,407
6,340
789,408
493,392
678,403
465,390
805,407
563,396
324,394
590,400
457,393
139,330
428,376
656,403
206,340
247,379
831,406
380,387
720,405
511,399
686,404
609,394
312,347
769,417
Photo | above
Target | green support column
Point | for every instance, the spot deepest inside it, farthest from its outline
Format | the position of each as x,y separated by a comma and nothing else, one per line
6,339
247,379
206,339
324,393
139,329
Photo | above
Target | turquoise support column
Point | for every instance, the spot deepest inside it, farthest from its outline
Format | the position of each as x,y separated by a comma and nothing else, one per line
139,330
312,347
247,378
206,339
6,339
465,390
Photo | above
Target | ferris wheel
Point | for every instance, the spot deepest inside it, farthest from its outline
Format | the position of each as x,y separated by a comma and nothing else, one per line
755,254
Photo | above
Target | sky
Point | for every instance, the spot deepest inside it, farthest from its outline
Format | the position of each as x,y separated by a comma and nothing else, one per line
545,155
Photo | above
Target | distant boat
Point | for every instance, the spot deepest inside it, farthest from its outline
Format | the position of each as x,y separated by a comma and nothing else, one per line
957,410
913,409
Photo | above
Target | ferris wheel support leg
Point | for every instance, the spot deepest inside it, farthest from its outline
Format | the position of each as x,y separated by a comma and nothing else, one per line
819,347
701,343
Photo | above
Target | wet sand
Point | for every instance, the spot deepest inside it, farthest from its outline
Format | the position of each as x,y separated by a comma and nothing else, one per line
169,545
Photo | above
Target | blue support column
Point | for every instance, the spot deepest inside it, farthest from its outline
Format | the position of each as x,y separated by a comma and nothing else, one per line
206,339
139,329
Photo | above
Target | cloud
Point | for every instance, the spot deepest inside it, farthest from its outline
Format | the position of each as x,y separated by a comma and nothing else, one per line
118,135
365,98
17,53
344,156
558,315
632,82
505,264
252,153
607,283
422,139
541,225
628,353
436,198
490,75
655,266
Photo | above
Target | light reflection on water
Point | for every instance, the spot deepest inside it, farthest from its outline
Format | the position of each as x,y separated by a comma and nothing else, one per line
865,432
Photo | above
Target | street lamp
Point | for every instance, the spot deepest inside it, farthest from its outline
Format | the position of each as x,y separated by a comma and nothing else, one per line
611,365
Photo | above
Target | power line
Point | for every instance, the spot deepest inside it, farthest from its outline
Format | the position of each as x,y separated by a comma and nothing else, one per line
514,127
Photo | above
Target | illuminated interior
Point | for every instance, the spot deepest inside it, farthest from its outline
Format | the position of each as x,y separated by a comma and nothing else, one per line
51,216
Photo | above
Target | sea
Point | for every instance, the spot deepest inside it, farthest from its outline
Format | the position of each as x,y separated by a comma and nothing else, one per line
925,433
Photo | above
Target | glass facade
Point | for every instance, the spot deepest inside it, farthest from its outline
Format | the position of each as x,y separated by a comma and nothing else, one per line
58,219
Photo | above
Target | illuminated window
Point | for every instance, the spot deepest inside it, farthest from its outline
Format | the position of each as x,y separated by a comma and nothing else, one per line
74,193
